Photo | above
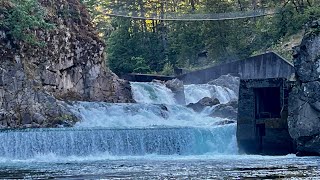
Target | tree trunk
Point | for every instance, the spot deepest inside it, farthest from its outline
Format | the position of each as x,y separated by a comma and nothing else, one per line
142,13
162,27
192,3
240,5
254,4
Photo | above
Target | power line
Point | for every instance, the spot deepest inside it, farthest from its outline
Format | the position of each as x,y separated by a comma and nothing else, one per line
195,17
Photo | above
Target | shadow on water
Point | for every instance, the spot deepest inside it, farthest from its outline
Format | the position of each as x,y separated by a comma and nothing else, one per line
22,174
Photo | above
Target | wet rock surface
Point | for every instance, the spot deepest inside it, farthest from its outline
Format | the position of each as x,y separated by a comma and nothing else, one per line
227,81
176,86
304,100
71,66
229,111
204,102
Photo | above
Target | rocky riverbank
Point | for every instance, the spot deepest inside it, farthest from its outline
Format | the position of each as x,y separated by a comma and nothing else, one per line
304,101
34,81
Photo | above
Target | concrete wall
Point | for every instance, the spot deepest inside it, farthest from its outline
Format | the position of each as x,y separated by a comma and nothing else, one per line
276,139
145,77
269,65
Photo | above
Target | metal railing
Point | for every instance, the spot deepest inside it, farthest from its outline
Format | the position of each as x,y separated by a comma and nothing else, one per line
193,17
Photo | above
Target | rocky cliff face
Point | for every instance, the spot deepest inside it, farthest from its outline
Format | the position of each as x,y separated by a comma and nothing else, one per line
304,101
71,66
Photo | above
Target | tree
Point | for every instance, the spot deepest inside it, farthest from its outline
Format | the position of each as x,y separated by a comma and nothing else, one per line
139,45
21,18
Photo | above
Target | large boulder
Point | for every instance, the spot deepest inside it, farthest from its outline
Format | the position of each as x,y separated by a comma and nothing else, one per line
228,81
176,86
71,66
202,103
304,100
228,111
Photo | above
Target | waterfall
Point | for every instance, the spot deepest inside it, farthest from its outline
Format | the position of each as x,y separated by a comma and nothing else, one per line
154,125
80,142
157,93
195,92
153,92
109,115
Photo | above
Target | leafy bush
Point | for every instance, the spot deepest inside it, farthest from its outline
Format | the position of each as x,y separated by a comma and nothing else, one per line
168,69
140,65
289,21
21,18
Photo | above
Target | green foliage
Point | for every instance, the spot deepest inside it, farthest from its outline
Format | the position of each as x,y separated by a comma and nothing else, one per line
22,19
119,55
143,46
127,46
140,65
185,43
288,23
167,69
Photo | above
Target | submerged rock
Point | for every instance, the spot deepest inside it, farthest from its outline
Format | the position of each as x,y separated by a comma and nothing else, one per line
304,100
227,121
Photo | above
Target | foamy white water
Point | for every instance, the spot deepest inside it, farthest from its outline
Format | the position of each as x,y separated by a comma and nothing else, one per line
195,92
110,115
132,129
26,144
152,92
157,93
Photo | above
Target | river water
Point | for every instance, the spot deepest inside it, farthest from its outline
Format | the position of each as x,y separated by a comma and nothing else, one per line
163,167
152,139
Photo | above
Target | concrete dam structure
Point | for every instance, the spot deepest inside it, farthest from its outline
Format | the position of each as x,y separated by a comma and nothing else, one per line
262,126
268,65
136,77
263,66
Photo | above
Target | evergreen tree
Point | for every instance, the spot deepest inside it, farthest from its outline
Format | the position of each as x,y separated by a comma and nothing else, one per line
142,46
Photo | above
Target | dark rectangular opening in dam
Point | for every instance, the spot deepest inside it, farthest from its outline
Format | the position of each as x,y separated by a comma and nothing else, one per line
262,126
267,102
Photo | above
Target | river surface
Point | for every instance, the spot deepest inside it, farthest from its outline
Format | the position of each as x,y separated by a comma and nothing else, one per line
165,167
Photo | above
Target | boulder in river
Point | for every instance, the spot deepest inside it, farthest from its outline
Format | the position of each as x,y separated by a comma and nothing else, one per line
229,110
228,81
176,86
202,103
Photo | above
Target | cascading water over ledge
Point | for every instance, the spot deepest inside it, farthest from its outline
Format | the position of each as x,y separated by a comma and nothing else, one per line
100,114
156,126
157,93
195,92
152,93
25,144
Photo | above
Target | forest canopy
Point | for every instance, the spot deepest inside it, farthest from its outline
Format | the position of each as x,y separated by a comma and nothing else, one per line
19,18
157,46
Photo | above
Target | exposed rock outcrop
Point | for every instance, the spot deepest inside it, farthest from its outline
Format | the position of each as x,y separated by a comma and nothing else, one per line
304,101
71,66
176,86
228,81
229,111
202,103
